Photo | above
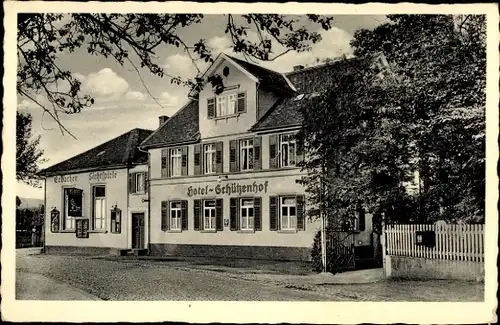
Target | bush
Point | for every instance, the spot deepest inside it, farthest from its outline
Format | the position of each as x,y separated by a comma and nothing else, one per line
317,263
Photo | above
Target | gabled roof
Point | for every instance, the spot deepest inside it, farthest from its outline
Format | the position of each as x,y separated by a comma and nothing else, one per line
182,127
268,79
308,82
120,151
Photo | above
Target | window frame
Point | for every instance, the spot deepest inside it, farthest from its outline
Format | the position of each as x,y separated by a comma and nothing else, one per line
213,156
241,148
246,208
289,216
171,161
66,216
103,208
178,211
212,218
288,142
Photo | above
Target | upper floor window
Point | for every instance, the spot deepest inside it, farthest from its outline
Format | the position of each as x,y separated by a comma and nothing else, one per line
246,154
226,104
287,150
137,183
208,158
209,153
174,162
284,150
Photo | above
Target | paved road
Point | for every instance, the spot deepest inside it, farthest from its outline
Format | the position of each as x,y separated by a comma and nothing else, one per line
111,280
163,280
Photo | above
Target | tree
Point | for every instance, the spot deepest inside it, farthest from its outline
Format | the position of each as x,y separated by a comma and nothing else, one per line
18,202
129,38
427,115
28,155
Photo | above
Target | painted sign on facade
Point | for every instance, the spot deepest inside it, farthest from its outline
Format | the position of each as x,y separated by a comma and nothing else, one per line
102,176
228,189
65,179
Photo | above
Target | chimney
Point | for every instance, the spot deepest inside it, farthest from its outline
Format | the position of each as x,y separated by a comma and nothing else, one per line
163,119
298,67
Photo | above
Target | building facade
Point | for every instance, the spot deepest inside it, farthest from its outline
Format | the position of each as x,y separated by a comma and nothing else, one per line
223,170
97,202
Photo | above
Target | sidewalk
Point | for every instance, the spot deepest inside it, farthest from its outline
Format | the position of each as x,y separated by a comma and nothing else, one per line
30,286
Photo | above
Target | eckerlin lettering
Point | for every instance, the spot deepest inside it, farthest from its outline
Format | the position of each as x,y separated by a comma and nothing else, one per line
65,178
102,176
229,189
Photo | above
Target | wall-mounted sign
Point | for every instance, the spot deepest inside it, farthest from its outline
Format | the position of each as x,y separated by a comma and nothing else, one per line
82,228
228,189
65,179
54,220
102,176
74,197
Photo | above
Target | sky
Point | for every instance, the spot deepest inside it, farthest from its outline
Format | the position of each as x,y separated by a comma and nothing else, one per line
123,101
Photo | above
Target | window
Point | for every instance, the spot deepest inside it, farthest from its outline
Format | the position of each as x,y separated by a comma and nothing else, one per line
176,162
175,215
226,105
209,214
116,220
247,214
246,154
73,199
99,208
137,183
287,150
209,158
288,217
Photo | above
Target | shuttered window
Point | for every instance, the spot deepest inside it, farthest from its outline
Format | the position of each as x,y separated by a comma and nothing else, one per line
137,183
245,154
245,214
211,159
285,150
211,107
174,215
286,212
208,215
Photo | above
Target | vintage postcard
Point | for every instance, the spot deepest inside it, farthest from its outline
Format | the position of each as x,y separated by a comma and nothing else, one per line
250,163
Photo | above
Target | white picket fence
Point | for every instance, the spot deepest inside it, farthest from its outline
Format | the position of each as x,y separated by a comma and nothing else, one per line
453,242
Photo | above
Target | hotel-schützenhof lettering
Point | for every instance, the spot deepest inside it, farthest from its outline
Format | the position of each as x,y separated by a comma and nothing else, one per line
218,179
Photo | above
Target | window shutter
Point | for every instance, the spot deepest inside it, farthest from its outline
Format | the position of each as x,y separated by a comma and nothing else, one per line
184,168
257,155
197,214
233,156
273,213
273,151
301,222
184,215
219,214
164,163
131,183
234,213
146,179
197,159
218,156
257,214
242,103
164,216
211,107
300,149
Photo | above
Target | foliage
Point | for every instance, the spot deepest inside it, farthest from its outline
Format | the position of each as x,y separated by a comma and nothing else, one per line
422,111
18,202
129,38
28,156
316,260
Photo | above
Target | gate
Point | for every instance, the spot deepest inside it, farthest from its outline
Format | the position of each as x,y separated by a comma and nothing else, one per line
340,250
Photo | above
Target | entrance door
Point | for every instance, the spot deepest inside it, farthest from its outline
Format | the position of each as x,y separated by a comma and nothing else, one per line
138,230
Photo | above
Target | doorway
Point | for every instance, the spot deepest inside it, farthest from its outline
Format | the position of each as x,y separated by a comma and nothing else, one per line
138,230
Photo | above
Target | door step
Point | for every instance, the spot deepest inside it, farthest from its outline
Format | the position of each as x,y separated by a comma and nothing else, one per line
132,252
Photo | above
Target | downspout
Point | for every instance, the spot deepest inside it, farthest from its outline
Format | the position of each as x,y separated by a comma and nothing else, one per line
148,197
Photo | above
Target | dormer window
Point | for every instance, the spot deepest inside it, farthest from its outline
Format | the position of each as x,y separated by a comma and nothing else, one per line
226,105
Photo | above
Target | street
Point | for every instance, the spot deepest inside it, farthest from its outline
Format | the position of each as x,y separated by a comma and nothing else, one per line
117,279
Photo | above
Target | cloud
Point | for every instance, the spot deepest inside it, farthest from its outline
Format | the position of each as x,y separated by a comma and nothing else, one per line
179,65
135,95
219,43
106,84
168,99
